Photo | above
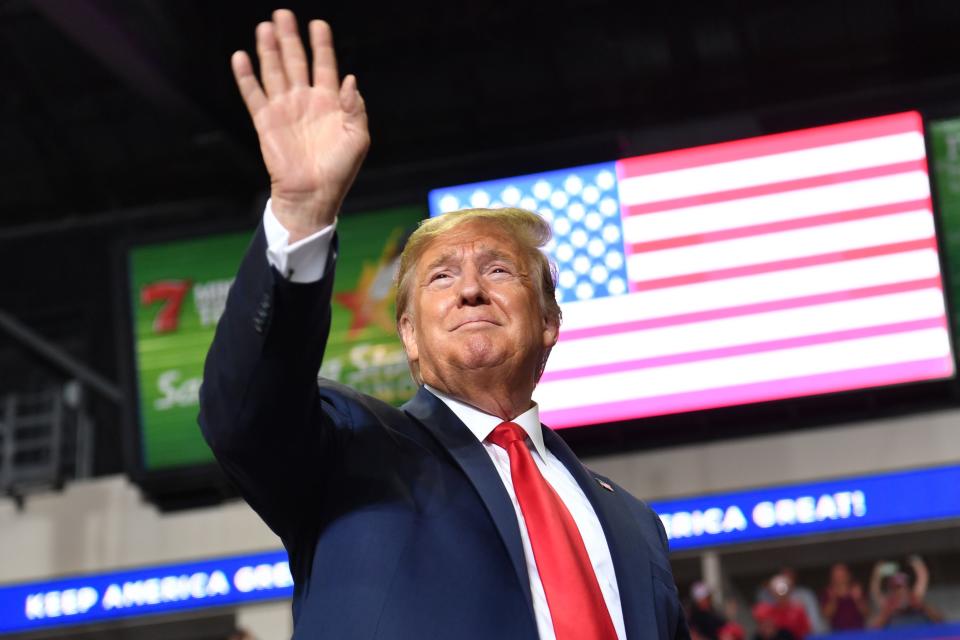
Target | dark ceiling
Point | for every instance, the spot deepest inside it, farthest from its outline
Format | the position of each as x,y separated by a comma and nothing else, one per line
120,118
125,103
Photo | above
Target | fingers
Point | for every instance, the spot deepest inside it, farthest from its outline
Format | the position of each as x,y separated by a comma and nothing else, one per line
250,89
271,67
325,75
291,48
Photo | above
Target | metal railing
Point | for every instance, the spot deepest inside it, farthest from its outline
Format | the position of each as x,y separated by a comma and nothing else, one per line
46,438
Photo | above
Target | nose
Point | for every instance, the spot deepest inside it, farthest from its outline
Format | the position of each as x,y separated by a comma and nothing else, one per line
472,290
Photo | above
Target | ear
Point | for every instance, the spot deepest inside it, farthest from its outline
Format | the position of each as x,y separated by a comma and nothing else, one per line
551,332
408,335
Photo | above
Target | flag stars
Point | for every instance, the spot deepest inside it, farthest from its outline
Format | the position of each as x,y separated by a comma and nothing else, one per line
608,207
584,291
616,286
511,196
593,221
581,205
541,190
480,199
558,200
578,238
449,203
605,180
590,194
576,211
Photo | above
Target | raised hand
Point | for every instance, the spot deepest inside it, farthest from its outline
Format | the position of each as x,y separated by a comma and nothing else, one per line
313,132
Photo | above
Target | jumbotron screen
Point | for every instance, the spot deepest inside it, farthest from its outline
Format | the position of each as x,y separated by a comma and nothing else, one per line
177,294
773,267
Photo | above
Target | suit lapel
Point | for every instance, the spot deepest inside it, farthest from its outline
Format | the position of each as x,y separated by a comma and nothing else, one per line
628,549
469,453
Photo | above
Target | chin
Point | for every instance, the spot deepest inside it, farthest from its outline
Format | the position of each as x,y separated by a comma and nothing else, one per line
479,352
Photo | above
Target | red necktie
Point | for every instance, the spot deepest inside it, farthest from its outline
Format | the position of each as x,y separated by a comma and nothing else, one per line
569,581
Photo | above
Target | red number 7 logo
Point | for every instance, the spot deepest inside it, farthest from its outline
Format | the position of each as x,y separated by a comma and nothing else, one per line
171,292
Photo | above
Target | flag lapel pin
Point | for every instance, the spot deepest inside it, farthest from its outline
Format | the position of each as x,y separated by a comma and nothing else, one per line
604,484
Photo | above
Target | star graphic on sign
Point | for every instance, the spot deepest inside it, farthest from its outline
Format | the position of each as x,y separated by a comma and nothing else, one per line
371,301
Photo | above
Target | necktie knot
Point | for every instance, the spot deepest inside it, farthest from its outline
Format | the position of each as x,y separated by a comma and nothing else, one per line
506,433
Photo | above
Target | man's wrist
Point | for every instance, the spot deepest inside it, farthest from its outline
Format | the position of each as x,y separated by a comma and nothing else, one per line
303,217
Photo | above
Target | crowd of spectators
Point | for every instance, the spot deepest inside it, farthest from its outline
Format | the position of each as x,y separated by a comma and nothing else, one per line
785,610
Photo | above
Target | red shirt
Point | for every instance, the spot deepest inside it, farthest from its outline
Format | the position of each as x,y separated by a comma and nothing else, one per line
792,617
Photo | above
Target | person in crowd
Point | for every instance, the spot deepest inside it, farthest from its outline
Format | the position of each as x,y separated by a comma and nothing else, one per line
706,623
844,603
900,604
788,613
803,595
457,515
806,597
767,626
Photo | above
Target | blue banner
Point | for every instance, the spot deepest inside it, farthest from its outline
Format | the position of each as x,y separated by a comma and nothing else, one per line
805,509
147,591
921,632
691,523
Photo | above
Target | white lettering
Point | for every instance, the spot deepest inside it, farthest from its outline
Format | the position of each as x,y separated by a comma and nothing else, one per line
68,602
243,579
169,589
764,515
826,508
859,503
33,608
151,591
86,598
844,504
734,520
805,508
218,584
210,298
198,585
281,575
174,393
685,524
51,604
786,511
113,597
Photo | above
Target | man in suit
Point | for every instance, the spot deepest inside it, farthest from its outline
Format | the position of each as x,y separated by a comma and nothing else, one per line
457,515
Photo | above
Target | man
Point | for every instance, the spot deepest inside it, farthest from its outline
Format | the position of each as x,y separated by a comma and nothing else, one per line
458,515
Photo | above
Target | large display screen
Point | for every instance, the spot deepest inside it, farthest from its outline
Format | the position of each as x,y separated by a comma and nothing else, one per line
945,149
178,291
773,267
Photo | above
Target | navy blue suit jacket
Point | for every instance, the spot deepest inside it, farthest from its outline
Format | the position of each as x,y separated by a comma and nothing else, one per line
395,520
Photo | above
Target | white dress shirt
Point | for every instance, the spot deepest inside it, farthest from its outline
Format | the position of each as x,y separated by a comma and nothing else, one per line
304,261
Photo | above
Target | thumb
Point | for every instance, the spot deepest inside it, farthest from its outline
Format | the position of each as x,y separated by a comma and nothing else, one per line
351,102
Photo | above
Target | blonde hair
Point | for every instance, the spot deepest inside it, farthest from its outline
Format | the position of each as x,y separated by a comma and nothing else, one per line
527,229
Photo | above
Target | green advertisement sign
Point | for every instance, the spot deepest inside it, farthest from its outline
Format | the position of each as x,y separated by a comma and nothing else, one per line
178,291
945,146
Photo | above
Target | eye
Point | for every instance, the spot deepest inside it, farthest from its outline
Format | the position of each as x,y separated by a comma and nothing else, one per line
439,275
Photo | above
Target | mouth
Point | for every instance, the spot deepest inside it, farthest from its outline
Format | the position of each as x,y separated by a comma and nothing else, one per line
473,324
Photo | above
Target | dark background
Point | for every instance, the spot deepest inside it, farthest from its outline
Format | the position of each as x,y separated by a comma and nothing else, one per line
120,121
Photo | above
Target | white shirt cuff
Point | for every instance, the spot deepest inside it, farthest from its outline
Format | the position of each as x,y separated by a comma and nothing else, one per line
304,260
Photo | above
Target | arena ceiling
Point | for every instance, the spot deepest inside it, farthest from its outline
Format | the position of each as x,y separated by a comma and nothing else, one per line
115,105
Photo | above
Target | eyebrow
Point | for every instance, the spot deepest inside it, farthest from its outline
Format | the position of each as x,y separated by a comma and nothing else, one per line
485,255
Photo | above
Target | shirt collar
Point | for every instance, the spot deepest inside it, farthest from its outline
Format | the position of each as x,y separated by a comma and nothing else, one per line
482,424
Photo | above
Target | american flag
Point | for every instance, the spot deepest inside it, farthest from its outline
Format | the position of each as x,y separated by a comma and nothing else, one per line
773,267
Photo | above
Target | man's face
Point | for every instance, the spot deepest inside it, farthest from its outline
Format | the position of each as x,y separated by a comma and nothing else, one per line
474,305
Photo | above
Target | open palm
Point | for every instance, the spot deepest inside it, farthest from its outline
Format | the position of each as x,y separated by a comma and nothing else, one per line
313,136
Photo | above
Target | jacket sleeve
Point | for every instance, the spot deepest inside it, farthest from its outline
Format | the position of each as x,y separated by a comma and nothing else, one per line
260,410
